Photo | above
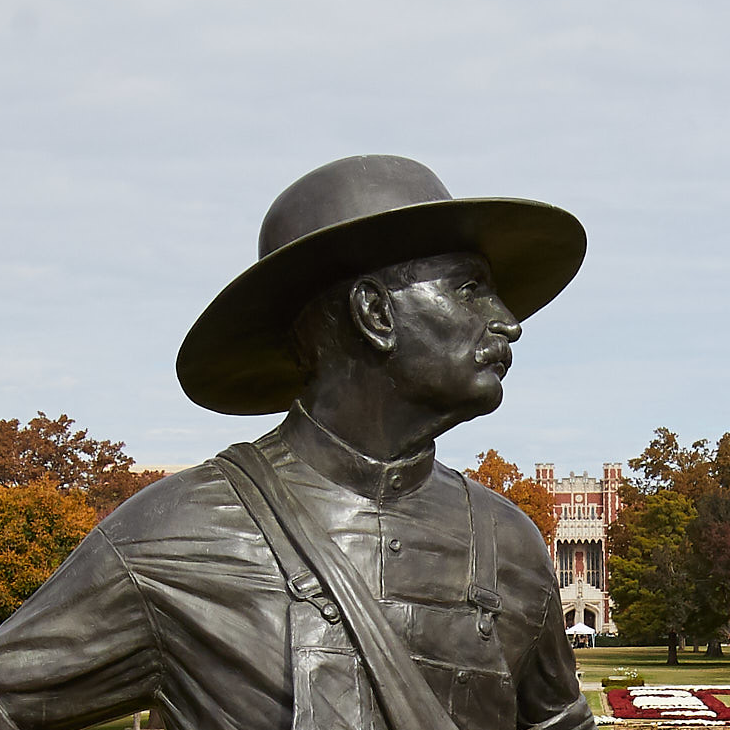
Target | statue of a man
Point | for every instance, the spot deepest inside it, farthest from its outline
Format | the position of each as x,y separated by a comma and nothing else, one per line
332,576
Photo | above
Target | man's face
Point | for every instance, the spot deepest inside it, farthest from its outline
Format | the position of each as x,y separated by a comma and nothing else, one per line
452,337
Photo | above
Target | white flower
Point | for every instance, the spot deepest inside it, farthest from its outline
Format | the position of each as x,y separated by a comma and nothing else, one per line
687,702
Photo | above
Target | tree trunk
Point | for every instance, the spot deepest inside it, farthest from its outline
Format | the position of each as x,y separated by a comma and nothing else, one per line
137,721
672,649
155,720
682,642
695,645
714,649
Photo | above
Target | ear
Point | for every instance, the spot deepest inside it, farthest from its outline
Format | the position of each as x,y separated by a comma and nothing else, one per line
372,313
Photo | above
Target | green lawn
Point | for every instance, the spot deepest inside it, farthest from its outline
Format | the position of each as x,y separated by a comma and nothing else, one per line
594,702
651,664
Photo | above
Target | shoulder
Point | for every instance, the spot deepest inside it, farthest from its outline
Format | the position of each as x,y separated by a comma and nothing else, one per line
192,496
189,535
193,517
518,538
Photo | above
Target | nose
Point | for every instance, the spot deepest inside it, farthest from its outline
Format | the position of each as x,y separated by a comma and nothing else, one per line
504,323
511,330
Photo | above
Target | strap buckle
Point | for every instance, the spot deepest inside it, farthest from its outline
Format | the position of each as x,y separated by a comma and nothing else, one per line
304,586
489,606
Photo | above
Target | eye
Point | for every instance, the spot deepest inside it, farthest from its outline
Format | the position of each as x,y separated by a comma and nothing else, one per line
468,290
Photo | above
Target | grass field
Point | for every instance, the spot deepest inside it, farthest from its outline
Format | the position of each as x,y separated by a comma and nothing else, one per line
651,664
594,702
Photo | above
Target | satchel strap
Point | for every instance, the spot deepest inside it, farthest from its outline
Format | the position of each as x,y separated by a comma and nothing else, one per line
302,583
404,695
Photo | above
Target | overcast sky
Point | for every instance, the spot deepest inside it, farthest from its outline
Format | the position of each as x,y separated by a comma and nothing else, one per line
141,143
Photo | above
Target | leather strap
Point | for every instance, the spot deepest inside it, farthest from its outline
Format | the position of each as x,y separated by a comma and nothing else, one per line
405,697
300,580
483,588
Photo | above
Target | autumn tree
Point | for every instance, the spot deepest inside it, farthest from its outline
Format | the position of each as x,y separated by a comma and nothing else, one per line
665,464
531,497
71,459
56,482
39,526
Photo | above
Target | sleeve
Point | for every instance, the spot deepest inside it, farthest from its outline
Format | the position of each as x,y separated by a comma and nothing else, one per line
81,649
548,696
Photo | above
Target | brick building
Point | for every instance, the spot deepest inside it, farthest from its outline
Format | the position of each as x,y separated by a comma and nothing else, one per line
585,506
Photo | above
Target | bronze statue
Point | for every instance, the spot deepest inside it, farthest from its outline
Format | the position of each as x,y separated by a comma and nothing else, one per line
333,575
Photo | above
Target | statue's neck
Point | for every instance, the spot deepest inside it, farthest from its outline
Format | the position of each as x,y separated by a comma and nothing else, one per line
366,411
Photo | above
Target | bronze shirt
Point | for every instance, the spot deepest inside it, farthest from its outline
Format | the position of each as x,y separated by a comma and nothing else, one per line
176,600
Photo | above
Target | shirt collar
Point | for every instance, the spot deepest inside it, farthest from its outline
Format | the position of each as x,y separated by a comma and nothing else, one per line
342,464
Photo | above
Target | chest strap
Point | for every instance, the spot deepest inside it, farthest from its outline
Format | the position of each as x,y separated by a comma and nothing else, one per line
407,701
302,583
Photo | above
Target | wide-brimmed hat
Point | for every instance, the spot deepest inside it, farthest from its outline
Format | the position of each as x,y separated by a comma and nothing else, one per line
348,218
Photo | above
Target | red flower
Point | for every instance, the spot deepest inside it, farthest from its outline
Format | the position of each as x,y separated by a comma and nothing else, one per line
621,700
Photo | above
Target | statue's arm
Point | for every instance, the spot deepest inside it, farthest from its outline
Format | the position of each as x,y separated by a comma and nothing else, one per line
548,696
81,649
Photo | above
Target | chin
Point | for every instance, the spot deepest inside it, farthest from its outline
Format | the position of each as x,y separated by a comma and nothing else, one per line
487,396
480,405
490,403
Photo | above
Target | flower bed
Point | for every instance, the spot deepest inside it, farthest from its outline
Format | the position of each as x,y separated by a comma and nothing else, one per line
670,703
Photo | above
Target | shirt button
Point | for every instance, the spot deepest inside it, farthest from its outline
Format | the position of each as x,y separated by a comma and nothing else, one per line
395,545
462,677
395,482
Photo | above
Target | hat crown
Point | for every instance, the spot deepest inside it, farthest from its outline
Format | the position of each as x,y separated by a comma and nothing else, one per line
354,187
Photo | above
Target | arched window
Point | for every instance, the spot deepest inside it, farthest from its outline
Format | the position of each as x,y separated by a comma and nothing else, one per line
594,565
565,564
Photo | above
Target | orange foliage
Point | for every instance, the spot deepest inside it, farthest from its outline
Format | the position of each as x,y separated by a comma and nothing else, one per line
664,464
532,498
39,526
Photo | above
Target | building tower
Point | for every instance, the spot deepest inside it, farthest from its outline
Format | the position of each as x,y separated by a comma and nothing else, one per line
585,507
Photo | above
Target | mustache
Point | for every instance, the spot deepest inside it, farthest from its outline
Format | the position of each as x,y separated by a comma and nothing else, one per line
493,348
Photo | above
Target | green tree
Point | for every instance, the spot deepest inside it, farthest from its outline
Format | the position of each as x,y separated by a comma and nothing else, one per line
39,526
721,466
710,536
652,585
531,497
700,475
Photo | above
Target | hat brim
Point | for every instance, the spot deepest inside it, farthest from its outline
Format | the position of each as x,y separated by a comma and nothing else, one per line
236,359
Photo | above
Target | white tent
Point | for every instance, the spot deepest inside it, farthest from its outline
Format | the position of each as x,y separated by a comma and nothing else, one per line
581,628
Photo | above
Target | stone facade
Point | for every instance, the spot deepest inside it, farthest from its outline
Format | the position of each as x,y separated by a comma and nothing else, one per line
585,506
